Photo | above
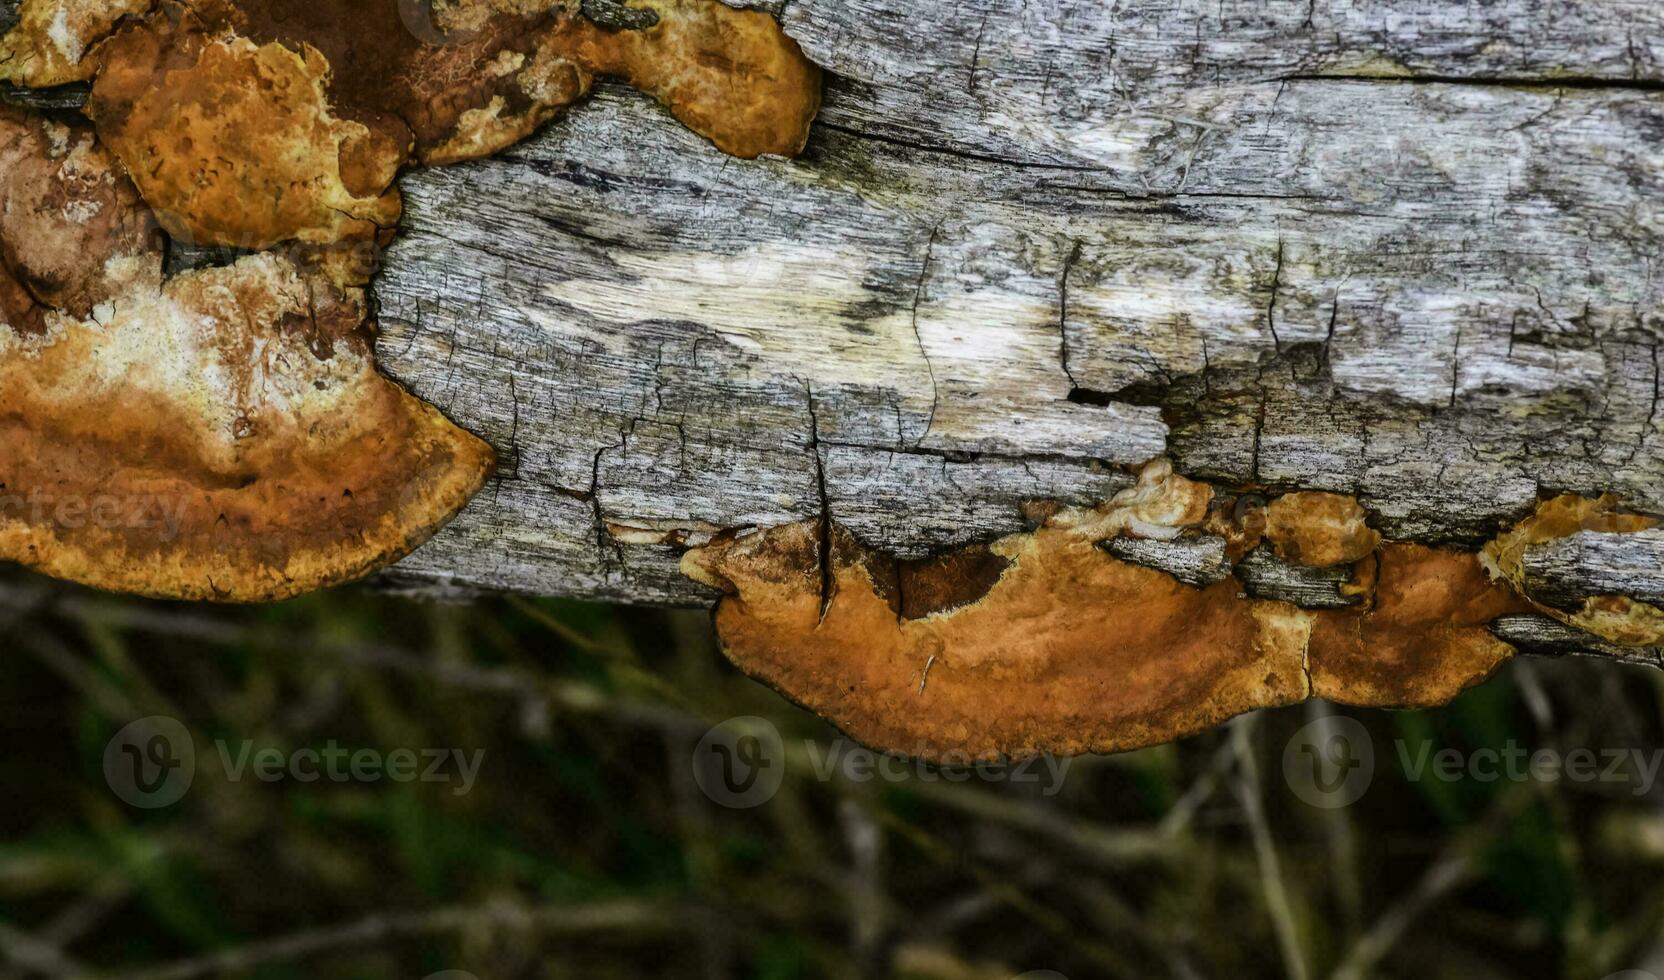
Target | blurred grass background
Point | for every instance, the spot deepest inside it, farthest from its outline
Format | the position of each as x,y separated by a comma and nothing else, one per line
586,850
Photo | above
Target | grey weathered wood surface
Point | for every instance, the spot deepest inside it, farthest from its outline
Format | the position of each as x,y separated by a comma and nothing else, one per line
1023,229
1406,249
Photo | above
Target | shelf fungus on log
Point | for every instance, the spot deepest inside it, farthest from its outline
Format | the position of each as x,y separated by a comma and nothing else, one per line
1569,522
1045,642
221,435
311,107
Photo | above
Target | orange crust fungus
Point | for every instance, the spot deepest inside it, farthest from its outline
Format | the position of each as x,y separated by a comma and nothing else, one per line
1061,647
1319,529
236,144
247,123
732,76
56,42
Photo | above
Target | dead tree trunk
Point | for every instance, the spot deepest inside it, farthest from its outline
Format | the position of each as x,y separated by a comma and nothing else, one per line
1406,252
1097,373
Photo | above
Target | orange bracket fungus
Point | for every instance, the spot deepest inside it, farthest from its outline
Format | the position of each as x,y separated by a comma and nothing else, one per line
252,122
224,434
1046,642
221,435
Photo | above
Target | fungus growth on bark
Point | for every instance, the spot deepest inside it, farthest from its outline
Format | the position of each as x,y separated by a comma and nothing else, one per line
247,123
220,435
224,434
1046,642
1620,619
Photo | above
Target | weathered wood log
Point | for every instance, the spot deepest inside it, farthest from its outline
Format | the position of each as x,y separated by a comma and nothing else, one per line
1406,253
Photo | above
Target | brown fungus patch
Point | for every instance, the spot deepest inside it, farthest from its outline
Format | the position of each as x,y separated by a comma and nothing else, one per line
1319,529
1620,619
194,444
73,234
943,583
56,42
461,82
1071,650
252,122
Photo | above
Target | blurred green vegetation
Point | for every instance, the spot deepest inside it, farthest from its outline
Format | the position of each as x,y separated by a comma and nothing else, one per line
585,848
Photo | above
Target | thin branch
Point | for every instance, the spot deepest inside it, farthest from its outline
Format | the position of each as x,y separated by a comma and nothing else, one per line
1457,864
1265,849
29,952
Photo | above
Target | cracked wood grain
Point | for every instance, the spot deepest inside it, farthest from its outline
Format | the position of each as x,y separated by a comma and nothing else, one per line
921,294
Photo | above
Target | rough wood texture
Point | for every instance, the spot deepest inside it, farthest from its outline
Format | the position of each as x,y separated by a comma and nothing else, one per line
1022,230
1404,250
